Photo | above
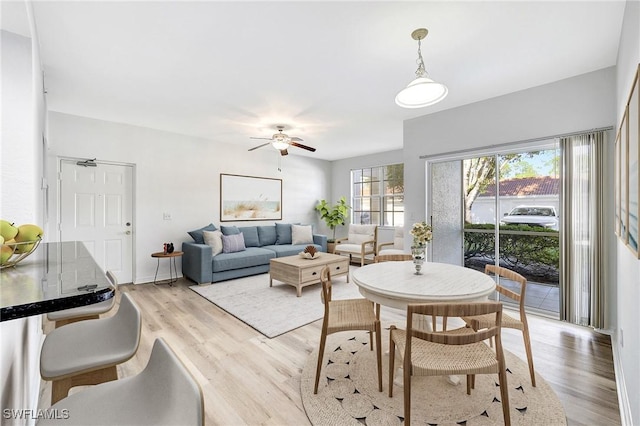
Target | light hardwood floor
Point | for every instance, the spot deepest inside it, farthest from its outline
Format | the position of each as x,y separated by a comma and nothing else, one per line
249,379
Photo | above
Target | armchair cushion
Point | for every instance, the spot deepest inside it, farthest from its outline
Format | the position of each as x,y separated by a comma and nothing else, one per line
359,234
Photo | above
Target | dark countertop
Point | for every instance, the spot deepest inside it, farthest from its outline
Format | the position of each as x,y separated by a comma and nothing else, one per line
54,277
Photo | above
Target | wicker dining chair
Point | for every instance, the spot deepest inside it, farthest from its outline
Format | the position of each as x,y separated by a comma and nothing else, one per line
484,321
345,315
392,257
452,352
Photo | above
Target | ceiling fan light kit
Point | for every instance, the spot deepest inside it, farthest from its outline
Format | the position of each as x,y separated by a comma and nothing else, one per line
282,142
422,91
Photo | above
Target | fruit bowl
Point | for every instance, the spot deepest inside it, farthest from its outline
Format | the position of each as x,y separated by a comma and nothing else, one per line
20,251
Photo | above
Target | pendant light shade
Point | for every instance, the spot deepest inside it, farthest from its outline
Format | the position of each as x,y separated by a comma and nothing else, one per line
422,91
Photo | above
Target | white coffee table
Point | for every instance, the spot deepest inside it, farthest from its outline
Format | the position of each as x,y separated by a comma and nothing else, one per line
300,272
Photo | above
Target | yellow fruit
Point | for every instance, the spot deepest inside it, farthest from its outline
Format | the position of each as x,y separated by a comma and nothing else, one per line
27,233
5,253
1,239
7,230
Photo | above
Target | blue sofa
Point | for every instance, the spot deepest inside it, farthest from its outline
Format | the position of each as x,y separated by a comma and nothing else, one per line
263,243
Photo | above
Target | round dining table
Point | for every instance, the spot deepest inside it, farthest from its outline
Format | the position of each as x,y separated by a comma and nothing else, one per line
395,284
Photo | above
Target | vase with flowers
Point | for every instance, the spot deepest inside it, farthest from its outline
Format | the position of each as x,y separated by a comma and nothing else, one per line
422,234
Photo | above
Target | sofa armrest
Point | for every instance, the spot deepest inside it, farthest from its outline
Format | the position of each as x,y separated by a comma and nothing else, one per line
363,249
342,240
196,262
321,240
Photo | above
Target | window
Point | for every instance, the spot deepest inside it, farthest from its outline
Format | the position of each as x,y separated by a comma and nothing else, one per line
377,195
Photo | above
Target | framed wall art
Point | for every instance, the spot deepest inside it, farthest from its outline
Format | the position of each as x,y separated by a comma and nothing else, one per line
627,179
245,198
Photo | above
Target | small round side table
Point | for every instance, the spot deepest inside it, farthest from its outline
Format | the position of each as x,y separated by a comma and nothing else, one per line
162,255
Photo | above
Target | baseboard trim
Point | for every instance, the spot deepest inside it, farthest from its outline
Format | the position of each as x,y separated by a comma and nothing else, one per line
621,388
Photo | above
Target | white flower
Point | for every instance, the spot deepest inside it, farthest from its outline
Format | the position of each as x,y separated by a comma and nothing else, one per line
422,233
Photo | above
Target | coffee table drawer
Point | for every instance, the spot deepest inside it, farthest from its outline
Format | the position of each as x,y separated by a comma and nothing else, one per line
311,274
339,268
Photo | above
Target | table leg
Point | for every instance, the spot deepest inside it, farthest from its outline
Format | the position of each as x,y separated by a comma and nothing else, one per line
157,267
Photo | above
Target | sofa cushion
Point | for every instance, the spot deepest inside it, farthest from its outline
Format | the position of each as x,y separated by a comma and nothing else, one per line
301,234
252,256
229,230
196,234
290,250
213,239
250,236
233,243
283,233
267,235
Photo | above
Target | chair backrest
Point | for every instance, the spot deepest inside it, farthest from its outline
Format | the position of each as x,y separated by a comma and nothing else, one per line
112,278
454,310
358,234
398,238
511,276
325,279
126,324
392,257
166,374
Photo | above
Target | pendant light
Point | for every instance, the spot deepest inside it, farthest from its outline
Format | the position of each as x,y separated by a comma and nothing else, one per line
422,91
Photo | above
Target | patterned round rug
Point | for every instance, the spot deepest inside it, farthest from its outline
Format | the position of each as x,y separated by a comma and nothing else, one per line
348,392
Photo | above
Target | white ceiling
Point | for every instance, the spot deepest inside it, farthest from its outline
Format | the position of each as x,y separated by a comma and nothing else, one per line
329,71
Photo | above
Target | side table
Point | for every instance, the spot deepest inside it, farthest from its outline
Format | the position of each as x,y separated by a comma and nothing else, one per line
162,255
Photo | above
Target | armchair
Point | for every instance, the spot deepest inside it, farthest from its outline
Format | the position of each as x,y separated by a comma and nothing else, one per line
362,241
396,246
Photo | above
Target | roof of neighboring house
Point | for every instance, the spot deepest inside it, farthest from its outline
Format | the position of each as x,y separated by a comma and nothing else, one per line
540,185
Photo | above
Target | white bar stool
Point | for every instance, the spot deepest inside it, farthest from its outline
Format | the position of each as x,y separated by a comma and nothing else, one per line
82,313
87,352
164,393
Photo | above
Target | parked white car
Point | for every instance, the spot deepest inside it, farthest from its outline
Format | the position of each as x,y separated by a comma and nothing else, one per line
545,216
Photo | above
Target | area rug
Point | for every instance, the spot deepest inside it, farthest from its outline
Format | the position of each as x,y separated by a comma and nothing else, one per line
348,393
272,310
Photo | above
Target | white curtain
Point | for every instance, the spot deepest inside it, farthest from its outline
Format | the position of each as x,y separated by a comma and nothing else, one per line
582,240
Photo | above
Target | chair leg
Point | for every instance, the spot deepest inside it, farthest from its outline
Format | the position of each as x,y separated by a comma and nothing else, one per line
406,382
392,360
60,388
323,340
469,383
527,347
379,354
504,395
62,322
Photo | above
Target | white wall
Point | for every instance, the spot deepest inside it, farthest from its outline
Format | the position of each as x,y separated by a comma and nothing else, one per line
21,202
627,267
180,175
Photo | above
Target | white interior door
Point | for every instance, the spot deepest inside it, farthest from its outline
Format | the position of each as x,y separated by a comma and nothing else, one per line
96,207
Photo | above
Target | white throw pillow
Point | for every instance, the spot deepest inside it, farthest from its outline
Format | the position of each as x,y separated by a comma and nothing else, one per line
301,234
213,239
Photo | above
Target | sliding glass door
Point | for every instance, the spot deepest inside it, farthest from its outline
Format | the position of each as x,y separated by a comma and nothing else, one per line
503,209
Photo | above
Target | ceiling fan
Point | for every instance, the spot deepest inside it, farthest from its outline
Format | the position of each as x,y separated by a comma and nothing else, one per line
281,142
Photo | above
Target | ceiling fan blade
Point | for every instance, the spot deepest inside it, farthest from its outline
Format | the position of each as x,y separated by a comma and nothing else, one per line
284,152
299,145
295,139
266,139
259,146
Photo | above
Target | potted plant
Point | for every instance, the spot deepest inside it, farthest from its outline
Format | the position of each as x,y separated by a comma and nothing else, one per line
333,216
